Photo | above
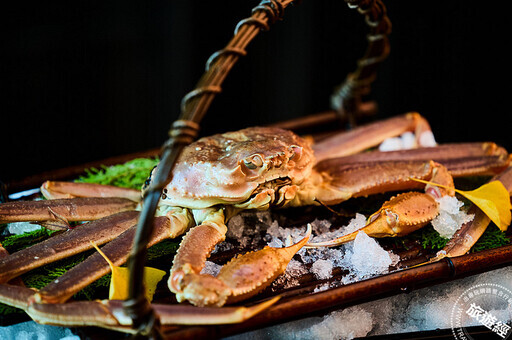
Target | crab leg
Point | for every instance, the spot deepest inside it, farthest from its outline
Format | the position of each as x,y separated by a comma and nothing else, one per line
57,189
242,277
95,266
470,232
460,159
109,313
64,210
117,250
405,212
66,244
366,136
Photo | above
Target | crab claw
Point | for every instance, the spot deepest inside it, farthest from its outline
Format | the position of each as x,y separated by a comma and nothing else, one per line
399,216
242,277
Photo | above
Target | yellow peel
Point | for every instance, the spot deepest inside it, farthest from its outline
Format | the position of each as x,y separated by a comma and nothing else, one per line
492,198
121,276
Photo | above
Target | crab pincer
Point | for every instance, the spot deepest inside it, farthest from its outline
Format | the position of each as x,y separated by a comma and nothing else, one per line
406,212
242,277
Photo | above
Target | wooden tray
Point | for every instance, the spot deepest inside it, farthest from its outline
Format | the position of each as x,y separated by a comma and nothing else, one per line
300,302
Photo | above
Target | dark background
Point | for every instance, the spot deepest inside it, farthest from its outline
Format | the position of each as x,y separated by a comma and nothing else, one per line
86,80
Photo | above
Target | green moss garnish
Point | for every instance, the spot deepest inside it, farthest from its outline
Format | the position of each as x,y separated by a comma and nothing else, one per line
14,243
430,239
493,237
131,174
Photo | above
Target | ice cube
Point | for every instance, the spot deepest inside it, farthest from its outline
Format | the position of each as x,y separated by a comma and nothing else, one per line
345,324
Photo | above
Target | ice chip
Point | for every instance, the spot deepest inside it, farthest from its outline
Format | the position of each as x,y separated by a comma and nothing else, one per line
391,144
356,223
450,217
30,330
18,228
408,140
350,323
367,257
211,268
322,269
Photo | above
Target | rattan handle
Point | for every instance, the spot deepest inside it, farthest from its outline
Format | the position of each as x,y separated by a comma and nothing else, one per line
347,98
184,131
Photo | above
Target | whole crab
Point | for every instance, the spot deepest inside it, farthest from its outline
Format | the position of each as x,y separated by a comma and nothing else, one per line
214,179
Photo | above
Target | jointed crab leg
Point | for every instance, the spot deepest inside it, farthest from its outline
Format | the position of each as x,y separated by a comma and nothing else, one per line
470,232
242,277
64,210
405,212
460,159
109,313
66,244
370,135
56,189
95,266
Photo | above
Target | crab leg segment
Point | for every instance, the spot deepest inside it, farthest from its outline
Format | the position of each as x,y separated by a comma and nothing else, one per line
470,232
57,189
403,213
66,244
242,277
109,313
370,135
75,209
461,159
95,266
117,251
363,179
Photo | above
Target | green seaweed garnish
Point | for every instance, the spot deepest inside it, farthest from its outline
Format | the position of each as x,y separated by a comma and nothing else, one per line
430,239
493,237
13,243
131,174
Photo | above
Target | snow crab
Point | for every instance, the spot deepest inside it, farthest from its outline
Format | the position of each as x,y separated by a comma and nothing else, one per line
215,178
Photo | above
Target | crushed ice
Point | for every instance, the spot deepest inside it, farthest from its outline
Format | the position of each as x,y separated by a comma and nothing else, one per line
32,331
17,228
352,257
420,310
408,140
450,217
358,253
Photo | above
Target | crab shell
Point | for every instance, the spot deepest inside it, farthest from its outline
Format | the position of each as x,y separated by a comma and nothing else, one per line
251,168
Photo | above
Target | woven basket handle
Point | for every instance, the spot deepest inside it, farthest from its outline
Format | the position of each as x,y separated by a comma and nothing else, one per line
347,98
195,104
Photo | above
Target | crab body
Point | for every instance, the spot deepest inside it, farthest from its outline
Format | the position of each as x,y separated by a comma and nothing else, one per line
252,168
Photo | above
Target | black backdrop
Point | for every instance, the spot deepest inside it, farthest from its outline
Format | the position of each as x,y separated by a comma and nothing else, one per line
86,80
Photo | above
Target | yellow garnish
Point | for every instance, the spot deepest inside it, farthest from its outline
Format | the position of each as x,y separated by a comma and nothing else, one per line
492,198
121,275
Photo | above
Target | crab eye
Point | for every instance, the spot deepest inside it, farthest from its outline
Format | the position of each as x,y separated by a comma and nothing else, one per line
250,165
296,152
253,162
